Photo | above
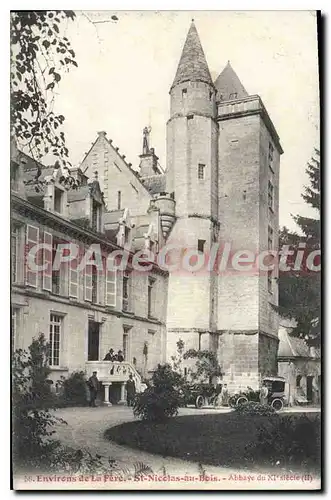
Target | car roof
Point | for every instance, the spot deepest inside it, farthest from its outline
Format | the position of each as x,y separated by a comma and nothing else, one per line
274,379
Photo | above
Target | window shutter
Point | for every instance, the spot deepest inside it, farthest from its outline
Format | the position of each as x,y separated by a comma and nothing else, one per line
73,278
88,283
110,298
32,239
47,254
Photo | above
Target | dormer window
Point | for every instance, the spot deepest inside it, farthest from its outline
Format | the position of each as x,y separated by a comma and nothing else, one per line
233,96
96,216
58,194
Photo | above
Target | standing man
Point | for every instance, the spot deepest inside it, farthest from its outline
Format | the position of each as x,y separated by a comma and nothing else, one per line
93,384
264,394
225,395
130,391
110,355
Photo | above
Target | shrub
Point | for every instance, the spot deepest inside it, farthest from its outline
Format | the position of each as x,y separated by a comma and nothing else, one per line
32,401
74,390
163,398
289,439
253,408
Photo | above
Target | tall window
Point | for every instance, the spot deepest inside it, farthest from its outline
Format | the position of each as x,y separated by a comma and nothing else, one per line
270,195
184,93
201,245
14,254
270,281
126,292
55,331
150,297
119,196
58,200
270,238
201,171
126,342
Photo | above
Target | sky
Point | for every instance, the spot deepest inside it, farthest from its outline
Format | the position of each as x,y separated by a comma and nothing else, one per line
125,70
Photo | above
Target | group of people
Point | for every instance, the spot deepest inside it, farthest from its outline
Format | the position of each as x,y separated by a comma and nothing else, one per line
112,356
93,386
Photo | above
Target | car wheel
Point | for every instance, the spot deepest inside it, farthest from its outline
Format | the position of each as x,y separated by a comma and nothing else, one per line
199,402
277,404
241,400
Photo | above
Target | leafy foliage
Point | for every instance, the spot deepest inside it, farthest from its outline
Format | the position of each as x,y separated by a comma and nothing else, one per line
289,440
163,398
74,390
207,365
177,359
33,421
40,53
300,289
253,408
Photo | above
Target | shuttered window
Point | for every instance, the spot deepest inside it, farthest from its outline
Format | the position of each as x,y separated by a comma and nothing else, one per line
88,285
47,259
73,277
110,297
32,239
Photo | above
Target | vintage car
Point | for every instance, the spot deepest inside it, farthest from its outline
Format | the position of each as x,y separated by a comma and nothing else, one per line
202,394
276,394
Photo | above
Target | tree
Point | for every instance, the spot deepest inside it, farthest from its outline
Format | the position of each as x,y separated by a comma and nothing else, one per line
40,53
300,289
206,367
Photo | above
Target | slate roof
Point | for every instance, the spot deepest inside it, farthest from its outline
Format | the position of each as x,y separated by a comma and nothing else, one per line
192,64
228,83
155,183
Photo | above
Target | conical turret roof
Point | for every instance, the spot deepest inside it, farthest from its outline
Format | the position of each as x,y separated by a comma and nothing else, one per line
192,65
228,85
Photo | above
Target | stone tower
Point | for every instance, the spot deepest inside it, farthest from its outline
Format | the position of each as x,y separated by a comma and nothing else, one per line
248,179
223,170
192,141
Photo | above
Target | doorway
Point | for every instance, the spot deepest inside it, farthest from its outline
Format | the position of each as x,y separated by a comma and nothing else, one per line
93,341
310,388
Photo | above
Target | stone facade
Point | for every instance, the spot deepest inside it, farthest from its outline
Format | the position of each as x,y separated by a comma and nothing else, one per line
221,186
